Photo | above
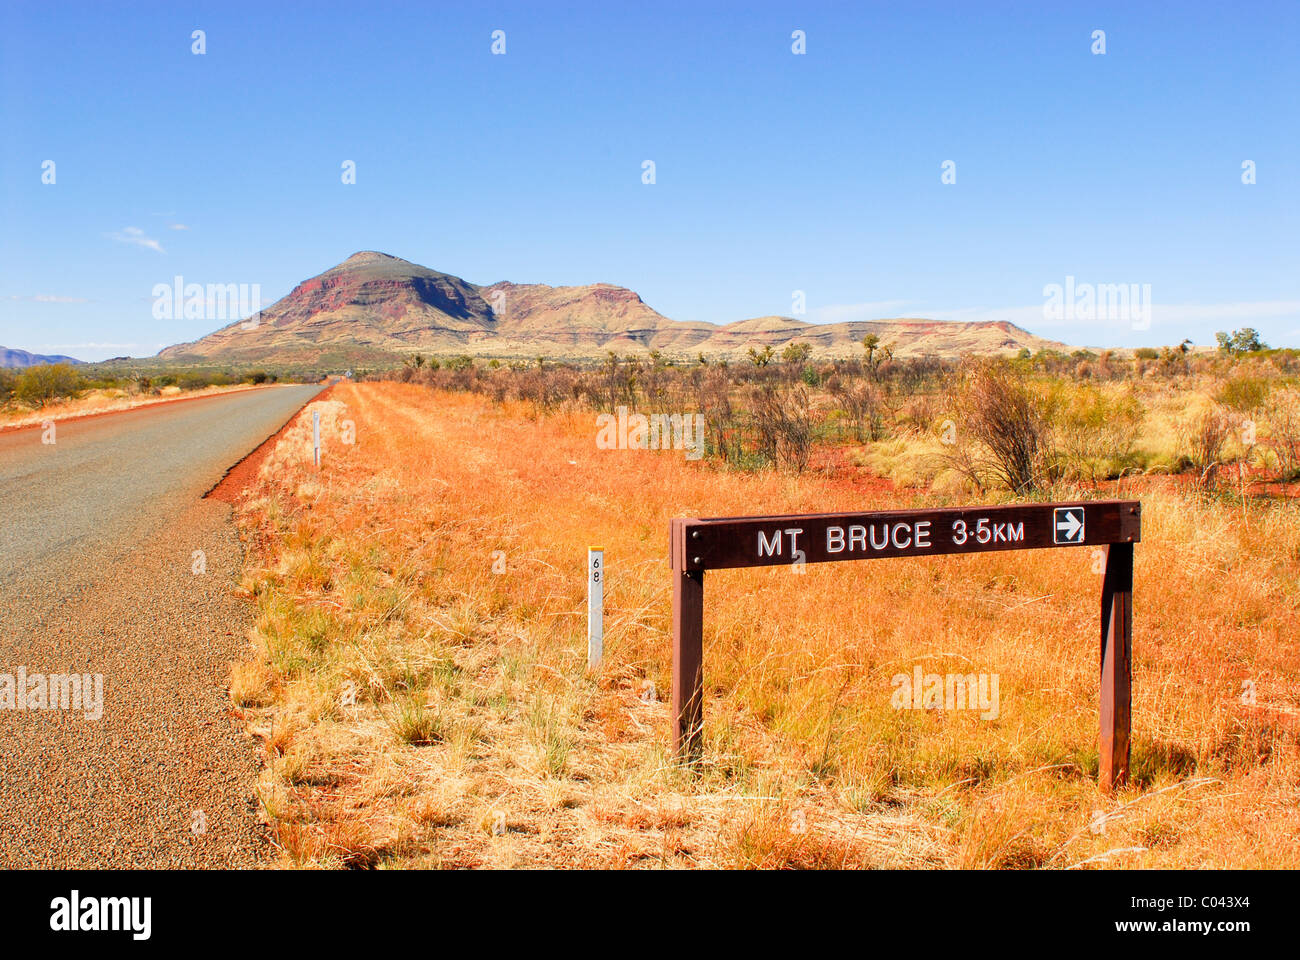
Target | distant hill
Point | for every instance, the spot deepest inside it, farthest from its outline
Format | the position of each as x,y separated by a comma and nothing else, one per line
374,305
11,359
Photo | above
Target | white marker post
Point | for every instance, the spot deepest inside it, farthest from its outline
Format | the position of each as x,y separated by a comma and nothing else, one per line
315,437
595,606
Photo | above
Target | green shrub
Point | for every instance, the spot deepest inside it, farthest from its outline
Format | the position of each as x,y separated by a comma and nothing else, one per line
1244,393
415,722
1096,433
39,385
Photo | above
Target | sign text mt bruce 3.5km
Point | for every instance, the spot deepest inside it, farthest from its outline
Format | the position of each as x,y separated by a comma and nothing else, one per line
724,542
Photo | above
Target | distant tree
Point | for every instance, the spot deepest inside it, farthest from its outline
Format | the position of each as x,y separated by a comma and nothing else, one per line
1245,340
796,353
876,353
870,343
1248,340
761,358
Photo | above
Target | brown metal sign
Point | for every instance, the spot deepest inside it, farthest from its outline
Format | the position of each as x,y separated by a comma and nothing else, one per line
719,543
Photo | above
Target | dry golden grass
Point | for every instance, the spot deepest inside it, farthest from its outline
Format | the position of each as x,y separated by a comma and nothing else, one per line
914,456
419,709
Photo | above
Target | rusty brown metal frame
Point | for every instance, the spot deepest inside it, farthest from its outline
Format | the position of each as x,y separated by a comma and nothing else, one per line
697,545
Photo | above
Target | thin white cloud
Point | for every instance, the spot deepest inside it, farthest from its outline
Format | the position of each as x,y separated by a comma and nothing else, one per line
136,236
47,298
178,226
1226,312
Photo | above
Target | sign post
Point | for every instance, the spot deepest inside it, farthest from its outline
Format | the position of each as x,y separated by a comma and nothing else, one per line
595,606
315,437
718,543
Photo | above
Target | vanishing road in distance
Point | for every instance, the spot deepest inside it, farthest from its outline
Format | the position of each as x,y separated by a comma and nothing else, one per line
98,540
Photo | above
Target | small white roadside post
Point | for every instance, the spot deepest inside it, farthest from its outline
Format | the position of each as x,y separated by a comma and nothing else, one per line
315,437
595,606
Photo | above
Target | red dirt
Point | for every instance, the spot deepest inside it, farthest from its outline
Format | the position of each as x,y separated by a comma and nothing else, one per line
1258,486
242,475
837,466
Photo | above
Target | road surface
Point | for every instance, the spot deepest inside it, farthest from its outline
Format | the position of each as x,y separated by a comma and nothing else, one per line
101,533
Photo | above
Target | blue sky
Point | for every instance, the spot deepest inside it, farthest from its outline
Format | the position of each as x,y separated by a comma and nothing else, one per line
775,172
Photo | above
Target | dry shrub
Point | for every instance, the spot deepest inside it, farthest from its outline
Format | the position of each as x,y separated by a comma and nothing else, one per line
1203,440
1282,414
713,400
545,388
1004,432
862,402
784,425
919,411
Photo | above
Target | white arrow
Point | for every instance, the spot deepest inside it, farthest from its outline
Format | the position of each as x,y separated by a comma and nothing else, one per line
1071,525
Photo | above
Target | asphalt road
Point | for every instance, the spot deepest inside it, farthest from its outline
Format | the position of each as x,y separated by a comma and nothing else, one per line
98,538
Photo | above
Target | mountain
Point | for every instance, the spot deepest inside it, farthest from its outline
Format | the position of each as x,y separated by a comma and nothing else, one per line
369,303
909,337
373,305
591,319
12,359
